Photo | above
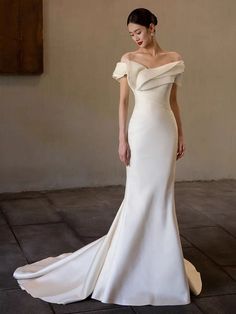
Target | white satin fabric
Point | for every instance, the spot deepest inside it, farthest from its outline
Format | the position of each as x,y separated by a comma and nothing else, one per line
140,260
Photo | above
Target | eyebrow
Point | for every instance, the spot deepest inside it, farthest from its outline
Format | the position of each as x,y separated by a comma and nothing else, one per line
138,29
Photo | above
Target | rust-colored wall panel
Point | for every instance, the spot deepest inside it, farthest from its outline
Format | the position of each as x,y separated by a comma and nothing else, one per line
9,19
9,34
21,37
30,58
9,56
31,37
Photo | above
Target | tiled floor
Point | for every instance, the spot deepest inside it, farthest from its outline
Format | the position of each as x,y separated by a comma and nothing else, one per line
206,214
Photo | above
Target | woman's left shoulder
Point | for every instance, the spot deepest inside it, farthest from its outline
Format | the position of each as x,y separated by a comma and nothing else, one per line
176,56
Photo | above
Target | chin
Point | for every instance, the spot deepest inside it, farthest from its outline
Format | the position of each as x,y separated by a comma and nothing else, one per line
141,45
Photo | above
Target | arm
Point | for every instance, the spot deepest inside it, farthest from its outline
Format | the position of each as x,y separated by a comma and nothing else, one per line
175,108
124,150
123,108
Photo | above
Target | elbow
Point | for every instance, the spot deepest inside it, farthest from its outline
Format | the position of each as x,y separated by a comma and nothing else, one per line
174,104
124,102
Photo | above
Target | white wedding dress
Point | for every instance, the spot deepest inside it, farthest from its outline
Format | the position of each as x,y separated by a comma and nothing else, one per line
140,260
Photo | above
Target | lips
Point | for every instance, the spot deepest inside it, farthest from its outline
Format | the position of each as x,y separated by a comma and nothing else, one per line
140,43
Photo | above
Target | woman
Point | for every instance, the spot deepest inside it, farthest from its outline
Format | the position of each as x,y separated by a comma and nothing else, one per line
149,53
140,260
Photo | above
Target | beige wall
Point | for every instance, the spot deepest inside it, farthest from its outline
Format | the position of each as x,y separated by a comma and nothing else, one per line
60,129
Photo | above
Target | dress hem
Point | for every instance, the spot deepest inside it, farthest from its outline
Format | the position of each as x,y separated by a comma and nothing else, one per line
128,303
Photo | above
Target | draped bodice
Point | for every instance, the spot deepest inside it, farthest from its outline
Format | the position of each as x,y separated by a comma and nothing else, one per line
150,85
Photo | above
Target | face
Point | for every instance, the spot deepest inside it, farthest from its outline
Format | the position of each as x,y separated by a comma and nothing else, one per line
140,34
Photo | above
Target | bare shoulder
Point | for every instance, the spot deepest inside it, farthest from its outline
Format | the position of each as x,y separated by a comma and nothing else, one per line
125,57
175,56
128,56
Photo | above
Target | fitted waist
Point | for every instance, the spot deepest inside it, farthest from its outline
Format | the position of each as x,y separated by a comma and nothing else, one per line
158,97
153,105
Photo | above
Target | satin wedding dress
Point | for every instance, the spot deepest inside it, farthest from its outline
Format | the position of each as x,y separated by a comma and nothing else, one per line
140,260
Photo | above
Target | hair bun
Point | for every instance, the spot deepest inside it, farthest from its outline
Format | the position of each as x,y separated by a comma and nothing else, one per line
154,19
142,16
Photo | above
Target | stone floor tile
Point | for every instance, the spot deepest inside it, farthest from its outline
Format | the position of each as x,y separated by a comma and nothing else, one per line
219,207
214,242
2,219
85,305
20,302
214,279
94,222
184,242
225,304
29,211
19,195
125,310
84,198
225,219
207,187
112,194
209,195
87,240
6,236
231,270
10,258
176,309
87,199
191,188
41,241
212,204
188,217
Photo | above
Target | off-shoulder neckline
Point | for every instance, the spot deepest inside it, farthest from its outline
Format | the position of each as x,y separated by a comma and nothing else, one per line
159,66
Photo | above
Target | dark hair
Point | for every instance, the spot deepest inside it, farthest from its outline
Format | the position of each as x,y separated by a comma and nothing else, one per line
142,17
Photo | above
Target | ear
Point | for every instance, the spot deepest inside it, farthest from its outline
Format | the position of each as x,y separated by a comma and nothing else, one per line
152,27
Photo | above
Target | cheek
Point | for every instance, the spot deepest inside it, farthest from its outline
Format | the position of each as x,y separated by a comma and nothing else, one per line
143,37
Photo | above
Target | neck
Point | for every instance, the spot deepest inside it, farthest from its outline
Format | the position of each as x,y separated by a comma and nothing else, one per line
153,48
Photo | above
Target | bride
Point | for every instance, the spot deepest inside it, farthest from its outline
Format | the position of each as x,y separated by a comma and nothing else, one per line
140,260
